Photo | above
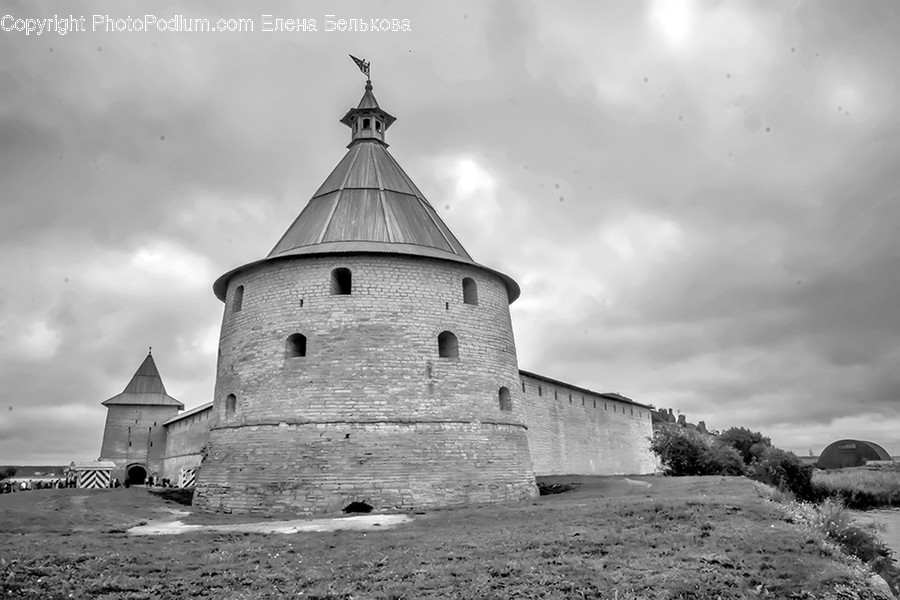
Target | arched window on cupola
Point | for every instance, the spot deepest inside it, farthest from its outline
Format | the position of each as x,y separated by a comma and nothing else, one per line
505,399
470,291
237,301
295,346
341,282
448,345
366,123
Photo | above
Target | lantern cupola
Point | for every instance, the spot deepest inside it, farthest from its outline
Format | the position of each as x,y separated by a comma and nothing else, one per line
367,122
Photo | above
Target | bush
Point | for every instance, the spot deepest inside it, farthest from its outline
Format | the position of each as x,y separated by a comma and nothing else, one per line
783,470
834,521
686,452
7,472
751,444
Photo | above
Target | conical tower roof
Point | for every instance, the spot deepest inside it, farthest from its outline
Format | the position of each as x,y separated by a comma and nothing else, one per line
145,388
368,204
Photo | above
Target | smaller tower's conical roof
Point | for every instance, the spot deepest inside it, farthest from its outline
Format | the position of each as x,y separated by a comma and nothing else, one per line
145,388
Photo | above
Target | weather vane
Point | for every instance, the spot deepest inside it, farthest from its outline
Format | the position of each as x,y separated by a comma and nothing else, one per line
363,66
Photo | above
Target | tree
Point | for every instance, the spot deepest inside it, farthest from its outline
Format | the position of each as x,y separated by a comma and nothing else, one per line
782,469
685,452
750,444
7,472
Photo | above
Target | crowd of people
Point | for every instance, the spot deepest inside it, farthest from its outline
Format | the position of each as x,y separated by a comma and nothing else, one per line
8,487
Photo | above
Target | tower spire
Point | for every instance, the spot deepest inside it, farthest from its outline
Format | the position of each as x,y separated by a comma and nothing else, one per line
367,122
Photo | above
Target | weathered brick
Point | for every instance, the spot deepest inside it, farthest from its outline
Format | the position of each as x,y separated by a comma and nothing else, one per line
592,434
371,413
135,436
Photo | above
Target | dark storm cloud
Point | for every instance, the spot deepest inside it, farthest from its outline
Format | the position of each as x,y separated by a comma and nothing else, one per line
777,308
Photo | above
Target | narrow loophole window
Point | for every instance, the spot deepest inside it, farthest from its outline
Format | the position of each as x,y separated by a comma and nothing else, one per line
470,291
238,301
448,345
230,404
295,346
341,282
505,399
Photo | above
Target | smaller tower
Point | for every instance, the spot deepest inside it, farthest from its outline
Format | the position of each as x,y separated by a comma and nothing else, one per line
134,437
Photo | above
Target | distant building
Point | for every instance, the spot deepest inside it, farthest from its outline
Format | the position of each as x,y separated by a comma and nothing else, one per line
664,417
851,453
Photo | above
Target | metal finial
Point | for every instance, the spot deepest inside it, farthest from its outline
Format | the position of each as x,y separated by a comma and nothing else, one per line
151,350
363,66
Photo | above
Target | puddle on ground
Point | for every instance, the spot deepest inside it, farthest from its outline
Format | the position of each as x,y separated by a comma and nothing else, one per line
358,523
645,484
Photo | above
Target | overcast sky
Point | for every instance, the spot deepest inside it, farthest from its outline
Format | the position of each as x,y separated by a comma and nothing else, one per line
699,199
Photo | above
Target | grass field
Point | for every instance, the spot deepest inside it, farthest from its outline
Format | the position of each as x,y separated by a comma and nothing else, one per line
610,538
861,487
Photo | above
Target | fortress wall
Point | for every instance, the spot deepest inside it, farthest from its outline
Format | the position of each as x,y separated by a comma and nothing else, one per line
390,466
142,426
371,371
185,441
572,431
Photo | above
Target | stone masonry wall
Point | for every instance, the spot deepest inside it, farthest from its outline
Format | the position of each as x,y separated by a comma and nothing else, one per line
135,435
404,427
322,467
574,432
185,441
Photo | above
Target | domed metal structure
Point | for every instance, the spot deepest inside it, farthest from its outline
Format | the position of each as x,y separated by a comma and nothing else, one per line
850,453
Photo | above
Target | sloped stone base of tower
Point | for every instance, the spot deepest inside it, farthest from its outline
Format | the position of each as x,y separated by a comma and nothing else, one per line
322,468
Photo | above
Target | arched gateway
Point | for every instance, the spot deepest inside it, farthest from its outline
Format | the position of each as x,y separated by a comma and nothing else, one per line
137,474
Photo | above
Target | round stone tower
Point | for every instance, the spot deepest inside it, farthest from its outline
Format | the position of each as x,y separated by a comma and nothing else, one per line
367,359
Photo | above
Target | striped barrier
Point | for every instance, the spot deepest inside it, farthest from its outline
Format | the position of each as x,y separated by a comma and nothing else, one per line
91,479
91,475
187,478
